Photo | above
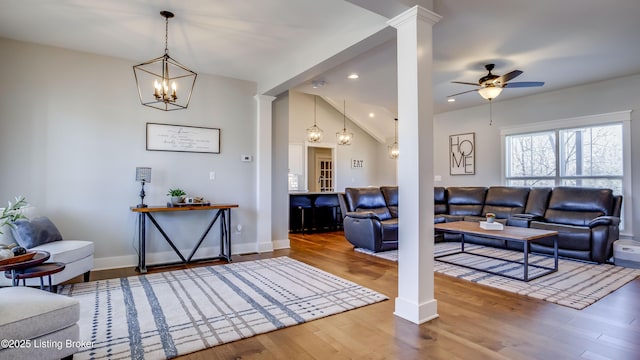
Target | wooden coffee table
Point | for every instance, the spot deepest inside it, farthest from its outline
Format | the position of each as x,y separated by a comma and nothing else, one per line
509,233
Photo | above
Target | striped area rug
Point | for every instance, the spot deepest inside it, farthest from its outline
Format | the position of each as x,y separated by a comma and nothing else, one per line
576,284
164,315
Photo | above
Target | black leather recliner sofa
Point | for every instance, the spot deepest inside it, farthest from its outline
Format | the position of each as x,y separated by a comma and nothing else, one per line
587,219
372,222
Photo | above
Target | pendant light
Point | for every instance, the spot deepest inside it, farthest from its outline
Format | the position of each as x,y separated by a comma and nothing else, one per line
394,150
314,133
163,83
344,137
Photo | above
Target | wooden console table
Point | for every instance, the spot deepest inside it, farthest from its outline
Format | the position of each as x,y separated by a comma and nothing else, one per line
223,213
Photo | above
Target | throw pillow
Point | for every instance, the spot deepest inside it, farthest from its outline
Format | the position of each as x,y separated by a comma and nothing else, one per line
36,232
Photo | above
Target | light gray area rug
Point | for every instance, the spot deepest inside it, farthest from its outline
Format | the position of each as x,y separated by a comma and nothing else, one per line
164,315
576,284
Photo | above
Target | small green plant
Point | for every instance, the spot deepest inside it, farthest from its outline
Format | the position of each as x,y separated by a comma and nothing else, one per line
12,212
176,192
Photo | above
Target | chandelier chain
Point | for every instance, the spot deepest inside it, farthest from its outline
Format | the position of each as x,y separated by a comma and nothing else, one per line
166,35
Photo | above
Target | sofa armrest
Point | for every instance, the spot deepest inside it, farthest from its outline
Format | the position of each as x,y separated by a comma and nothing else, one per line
604,220
529,217
363,215
523,220
452,218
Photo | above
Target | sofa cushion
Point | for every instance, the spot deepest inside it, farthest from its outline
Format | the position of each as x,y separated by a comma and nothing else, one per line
29,211
390,194
537,201
505,201
569,237
67,251
381,213
27,313
466,201
38,231
440,200
367,199
389,230
578,206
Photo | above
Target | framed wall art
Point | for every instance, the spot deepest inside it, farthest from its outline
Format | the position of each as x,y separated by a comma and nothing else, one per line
462,154
181,138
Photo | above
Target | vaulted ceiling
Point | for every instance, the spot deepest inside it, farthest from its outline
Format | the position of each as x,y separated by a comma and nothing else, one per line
286,44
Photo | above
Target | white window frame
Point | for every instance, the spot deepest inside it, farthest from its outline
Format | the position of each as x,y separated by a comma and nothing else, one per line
623,117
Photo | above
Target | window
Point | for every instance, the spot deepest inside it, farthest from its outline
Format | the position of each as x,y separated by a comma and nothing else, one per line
584,152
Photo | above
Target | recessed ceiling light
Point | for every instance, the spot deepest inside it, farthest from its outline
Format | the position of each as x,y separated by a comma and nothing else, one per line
353,76
372,115
451,100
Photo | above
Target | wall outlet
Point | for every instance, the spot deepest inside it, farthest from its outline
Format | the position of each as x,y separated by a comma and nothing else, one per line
212,175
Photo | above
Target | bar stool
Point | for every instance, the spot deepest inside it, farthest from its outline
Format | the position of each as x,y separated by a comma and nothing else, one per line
300,203
330,201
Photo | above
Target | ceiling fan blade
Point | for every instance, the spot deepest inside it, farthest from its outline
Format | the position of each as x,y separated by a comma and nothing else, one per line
464,92
524,84
508,76
464,83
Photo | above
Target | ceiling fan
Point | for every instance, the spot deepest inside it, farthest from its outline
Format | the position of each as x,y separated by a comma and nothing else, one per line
491,85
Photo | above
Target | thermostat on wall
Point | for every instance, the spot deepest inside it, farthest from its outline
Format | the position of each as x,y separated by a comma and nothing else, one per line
246,158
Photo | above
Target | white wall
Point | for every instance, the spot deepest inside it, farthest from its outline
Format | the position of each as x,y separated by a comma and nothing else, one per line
363,146
598,98
72,132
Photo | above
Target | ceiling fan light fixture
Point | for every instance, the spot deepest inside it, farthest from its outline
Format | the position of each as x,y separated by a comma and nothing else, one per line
490,92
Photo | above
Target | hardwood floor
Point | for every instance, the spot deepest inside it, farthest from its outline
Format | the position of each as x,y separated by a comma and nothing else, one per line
476,322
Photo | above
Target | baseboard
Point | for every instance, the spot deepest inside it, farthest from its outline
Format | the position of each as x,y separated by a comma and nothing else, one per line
414,312
114,262
281,244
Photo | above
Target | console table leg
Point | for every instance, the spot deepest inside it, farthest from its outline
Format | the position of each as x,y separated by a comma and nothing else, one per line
142,239
228,237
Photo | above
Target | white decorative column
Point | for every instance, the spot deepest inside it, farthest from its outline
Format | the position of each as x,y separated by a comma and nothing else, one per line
263,170
415,301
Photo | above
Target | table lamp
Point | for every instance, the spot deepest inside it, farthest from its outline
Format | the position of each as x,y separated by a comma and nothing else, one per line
143,174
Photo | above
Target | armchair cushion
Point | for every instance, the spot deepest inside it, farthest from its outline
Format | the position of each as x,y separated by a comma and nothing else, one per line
38,231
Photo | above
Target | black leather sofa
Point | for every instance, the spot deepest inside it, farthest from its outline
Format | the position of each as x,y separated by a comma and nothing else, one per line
587,219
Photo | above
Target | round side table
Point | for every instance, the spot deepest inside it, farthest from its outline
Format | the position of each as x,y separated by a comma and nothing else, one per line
40,271
12,267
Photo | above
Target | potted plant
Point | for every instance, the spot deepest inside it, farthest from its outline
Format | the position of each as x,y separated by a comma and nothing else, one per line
7,217
176,195
490,217
12,212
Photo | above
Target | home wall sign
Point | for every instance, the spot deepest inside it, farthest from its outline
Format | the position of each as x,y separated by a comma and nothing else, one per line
165,137
462,154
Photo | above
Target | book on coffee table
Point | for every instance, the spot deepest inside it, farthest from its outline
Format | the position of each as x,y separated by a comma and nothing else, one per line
491,226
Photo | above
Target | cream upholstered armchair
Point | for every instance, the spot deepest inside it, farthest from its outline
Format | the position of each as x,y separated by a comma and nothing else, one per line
76,254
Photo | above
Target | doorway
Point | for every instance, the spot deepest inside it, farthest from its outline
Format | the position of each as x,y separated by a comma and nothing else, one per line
320,169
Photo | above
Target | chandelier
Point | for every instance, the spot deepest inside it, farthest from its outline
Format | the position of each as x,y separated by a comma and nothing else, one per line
344,137
314,133
163,83
394,150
